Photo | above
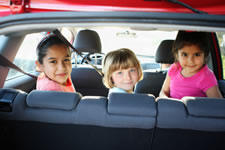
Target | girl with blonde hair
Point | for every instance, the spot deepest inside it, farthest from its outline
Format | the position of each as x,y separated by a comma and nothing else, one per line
122,71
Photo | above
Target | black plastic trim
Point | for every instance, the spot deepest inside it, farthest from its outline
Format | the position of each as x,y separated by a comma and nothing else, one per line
200,20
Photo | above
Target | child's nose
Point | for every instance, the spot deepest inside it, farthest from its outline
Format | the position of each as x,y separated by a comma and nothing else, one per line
127,76
62,66
191,59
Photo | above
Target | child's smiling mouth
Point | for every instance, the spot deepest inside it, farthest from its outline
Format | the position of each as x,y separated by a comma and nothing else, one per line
61,74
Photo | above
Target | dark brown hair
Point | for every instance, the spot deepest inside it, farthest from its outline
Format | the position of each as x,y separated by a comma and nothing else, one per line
186,38
45,43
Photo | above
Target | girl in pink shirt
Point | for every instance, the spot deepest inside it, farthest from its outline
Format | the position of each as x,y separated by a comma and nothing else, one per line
54,62
190,76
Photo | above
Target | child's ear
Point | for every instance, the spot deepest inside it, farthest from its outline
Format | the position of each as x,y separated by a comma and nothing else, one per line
39,66
111,79
176,57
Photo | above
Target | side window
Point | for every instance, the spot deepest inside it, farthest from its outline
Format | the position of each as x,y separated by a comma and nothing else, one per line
26,56
221,39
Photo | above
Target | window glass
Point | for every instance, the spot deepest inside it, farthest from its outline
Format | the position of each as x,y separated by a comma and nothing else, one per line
142,42
26,56
221,39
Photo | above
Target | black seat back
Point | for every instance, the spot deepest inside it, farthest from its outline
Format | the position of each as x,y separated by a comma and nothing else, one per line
153,80
164,53
87,81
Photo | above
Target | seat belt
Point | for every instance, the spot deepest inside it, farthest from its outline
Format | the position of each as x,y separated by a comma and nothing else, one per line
61,37
5,62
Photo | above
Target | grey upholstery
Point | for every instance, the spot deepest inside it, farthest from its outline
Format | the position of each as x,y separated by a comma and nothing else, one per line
52,100
202,114
44,106
135,111
153,80
132,104
93,110
17,105
190,123
42,117
205,107
88,41
134,119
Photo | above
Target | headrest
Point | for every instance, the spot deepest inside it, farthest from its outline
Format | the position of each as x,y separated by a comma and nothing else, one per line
132,104
164,52
205,107
88,41
53,100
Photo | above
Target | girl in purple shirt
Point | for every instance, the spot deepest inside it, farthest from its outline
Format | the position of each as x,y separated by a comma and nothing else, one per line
54,62
189,75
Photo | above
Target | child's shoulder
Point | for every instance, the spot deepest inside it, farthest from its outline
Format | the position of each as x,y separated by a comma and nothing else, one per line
46,84
174,68
207,71
42,78
117,90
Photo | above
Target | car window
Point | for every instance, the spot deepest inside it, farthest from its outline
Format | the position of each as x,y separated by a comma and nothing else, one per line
26,56
221,39
142,42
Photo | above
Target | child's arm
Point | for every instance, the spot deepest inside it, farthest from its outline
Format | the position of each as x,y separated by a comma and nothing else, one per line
165,91
214,92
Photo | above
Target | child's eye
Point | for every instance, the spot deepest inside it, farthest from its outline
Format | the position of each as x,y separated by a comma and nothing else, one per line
67,60
53,62
184,54
198,54
119,72
133,70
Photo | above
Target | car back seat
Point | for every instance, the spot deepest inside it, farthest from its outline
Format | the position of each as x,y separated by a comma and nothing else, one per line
59,120
153,80
87,81
63,120
38,120
190,123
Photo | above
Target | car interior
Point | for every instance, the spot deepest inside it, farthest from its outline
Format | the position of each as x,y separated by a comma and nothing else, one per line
89,118
87,80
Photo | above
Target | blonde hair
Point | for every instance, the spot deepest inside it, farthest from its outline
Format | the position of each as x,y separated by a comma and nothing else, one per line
119,59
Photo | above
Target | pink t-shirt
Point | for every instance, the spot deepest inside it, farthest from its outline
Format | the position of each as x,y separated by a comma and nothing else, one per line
195,85
46,84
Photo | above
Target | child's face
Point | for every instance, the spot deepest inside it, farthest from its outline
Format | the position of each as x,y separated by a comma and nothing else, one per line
125,78
57,64
191,59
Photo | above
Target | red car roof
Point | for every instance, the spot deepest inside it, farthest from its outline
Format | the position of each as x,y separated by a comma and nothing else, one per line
8,7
